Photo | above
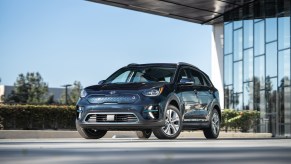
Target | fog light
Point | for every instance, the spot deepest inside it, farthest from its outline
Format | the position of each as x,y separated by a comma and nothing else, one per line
151,112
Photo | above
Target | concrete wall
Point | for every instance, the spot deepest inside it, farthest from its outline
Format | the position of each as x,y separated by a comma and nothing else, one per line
217,60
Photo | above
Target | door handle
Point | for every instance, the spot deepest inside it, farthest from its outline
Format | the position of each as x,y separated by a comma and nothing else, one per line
210,91
195,91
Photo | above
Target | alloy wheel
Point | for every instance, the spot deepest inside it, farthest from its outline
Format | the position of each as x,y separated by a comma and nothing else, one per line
172,124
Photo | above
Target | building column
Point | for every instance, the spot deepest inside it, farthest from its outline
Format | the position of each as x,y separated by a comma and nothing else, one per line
217,60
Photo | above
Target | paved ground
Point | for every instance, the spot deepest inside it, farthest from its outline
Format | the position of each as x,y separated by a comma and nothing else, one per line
25,134
153,151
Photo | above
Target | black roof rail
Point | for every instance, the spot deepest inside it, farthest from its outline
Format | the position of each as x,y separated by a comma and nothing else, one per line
183,63
132,64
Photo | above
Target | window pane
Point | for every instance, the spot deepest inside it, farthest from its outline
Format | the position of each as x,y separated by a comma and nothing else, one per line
237,74
248,96
284,67
259,76
237,41
228,69
238,101
284,32
248,33
259,38
237,24
287,108
271,29
228,38
271,59
284,109
261,107
271,94
228,99
248,65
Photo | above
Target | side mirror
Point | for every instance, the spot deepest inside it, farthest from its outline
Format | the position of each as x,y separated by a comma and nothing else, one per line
186,81
101,82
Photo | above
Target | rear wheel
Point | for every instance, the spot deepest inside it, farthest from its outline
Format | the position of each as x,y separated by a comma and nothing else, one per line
144,134
212,131
173,124
90,133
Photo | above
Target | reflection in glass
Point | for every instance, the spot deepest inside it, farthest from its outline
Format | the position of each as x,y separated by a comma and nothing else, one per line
228,69
259,38
271,28
259,72
228,38
271,103
228,99
248,96
284,67
248,65
271,94
284,109
237,47
284,32
248,33
237,77
271,59
237,99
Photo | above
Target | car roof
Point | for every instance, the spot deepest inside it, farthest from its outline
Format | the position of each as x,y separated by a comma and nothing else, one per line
160,64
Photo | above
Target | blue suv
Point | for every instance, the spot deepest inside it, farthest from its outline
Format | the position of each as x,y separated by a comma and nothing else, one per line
159,98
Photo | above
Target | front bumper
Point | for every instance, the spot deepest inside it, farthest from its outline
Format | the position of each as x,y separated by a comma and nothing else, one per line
120,116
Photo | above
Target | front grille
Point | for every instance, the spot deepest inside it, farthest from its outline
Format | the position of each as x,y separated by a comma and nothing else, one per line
117,118
119,99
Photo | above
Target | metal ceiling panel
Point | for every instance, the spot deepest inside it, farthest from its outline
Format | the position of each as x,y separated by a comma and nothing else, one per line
197,11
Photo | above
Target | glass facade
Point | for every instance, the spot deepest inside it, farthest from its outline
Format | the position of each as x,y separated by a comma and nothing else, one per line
257,63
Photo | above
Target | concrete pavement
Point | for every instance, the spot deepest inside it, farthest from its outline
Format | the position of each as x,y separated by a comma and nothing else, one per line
21,134
153,151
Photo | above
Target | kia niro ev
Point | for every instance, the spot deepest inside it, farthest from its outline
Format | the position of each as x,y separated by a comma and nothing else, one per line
159,98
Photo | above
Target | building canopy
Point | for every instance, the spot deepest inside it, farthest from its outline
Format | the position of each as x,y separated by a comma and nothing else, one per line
196,11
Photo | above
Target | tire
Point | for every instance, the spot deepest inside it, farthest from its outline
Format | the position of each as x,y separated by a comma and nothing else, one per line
212,132
173,124
90,133
144,134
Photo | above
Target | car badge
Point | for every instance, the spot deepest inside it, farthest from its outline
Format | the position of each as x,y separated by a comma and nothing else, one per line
133,97
112,92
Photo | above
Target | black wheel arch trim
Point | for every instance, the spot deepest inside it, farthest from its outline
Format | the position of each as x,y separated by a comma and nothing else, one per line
175,98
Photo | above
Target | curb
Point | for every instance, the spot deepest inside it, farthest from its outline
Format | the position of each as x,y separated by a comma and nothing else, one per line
28,134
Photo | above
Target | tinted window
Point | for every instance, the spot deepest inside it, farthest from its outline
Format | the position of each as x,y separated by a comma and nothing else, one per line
196,77
182,75
206,81
142,75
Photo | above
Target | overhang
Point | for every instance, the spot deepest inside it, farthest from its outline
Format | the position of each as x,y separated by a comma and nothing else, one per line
196,11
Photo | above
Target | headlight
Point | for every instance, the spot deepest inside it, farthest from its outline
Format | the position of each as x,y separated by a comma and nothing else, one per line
153,92
83,93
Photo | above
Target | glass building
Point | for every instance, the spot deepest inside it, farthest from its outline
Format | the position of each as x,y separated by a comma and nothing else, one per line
257,63
250,52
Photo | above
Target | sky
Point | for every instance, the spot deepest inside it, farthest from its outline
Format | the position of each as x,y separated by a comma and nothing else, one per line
68,40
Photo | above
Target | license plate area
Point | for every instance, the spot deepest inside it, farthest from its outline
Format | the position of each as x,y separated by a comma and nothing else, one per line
110,117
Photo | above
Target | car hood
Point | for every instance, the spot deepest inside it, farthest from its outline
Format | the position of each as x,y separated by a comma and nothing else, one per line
128,86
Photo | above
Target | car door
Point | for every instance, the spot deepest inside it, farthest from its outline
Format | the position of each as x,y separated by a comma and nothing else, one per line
203,94
186,93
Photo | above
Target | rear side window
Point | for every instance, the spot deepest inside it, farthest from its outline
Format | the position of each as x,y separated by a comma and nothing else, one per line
207,82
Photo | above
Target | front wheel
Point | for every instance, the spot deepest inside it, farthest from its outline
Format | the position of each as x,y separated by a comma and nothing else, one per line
90,133
212,131
173,124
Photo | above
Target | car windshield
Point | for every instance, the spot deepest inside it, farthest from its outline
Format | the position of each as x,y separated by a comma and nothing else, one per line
142,75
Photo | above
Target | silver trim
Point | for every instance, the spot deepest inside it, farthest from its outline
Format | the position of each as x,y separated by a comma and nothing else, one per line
110,113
